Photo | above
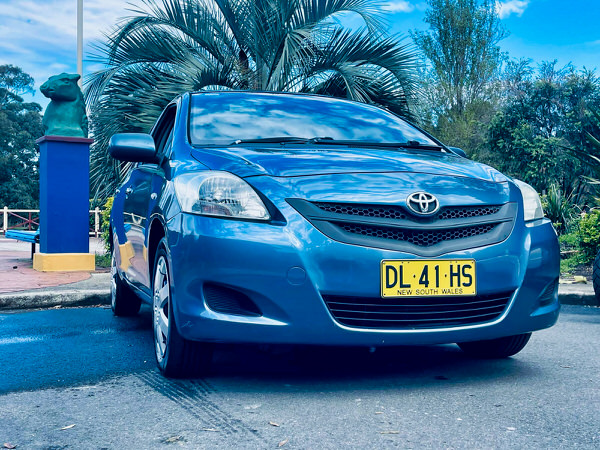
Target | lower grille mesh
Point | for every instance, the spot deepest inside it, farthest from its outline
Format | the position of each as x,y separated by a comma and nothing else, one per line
416,313
423,238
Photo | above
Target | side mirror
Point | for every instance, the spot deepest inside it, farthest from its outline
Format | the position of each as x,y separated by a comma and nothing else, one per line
133,147
459,151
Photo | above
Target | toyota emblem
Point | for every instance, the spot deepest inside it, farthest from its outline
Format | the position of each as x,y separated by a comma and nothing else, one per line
422,203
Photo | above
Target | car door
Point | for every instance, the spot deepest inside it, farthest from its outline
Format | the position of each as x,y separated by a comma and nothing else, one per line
141,194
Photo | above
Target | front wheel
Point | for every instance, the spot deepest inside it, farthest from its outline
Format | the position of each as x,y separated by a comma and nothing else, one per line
496,348
176,356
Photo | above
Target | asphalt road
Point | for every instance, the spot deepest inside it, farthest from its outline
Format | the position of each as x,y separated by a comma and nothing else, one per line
82,379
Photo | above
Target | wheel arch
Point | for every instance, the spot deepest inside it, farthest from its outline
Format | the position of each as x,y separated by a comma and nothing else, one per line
157,232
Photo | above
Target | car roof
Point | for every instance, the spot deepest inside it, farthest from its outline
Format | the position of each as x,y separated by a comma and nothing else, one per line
280,94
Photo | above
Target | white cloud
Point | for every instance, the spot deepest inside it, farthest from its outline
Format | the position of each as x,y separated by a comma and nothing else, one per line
41,36
399,6
56,19
509,7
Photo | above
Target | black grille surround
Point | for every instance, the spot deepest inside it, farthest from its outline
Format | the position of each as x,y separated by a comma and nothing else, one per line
550,294
393,227
416,313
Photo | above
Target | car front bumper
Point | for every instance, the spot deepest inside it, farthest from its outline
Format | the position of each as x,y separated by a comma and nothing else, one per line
286,269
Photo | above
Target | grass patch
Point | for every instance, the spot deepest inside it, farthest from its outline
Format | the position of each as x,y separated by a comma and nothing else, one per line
103,261
570,265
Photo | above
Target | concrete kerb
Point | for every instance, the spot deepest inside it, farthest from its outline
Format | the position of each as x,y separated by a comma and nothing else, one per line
93,291
36,300
577,294
96,291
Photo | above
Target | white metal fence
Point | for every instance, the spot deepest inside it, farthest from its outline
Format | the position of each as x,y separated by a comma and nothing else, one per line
28,219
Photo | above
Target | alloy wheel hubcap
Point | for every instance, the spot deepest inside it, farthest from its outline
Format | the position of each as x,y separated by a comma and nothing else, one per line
161,300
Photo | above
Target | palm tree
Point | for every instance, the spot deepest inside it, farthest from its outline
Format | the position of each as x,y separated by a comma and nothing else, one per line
270,45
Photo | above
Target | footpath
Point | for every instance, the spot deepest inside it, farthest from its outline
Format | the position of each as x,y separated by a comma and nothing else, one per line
21,287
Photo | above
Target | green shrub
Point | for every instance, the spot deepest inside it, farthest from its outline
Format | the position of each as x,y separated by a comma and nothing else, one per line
105,223
569,241
560,209
570,252
589,235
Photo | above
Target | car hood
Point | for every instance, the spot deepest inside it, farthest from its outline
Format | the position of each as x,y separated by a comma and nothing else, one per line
294,162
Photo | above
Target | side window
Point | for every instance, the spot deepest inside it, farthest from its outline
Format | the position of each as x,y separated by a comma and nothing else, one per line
163,132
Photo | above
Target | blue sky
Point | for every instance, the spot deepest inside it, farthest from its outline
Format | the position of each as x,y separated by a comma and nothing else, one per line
542,30
40,35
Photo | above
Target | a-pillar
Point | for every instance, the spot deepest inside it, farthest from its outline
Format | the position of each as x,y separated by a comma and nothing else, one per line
64,205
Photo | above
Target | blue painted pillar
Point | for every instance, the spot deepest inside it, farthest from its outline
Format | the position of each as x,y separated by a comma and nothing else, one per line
64,194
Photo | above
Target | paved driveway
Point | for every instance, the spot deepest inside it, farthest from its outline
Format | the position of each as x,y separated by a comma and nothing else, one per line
80,378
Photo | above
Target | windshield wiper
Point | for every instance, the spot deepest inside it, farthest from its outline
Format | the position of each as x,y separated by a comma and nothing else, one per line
282,140
326,140
355,143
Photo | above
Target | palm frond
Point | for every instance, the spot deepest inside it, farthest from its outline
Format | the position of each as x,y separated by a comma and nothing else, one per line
172,46
369,70
313,12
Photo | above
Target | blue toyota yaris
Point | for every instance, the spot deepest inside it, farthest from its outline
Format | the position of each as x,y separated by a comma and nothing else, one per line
300,219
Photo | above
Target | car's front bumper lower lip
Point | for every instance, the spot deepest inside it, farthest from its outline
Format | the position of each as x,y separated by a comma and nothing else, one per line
285,277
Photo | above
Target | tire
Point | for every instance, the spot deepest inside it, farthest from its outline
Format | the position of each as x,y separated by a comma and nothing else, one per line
596,277
496,348
176,356
123,300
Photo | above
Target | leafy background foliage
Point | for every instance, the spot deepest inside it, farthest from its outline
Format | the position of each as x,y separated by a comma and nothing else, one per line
589,235
532,134
20,126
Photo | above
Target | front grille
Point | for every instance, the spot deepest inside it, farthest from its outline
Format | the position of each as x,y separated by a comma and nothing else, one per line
392,227
416,313
422,238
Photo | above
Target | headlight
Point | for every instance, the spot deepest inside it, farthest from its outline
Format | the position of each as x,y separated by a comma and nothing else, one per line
531,202
221,194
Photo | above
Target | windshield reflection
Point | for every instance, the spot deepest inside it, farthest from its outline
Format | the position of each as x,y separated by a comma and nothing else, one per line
224,117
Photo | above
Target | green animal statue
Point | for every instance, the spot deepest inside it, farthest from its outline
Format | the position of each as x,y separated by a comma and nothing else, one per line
65,115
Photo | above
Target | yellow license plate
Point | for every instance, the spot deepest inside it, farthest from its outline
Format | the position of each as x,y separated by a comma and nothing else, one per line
428,278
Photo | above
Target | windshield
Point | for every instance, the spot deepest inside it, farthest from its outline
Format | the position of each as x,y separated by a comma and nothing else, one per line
221,118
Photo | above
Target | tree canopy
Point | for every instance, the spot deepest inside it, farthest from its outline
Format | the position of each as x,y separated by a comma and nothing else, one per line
545,115
462,61
462,48
20,126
